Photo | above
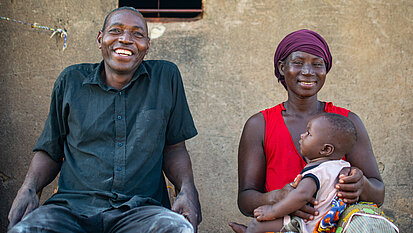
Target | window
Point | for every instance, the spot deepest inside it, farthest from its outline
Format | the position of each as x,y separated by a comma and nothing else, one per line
167,10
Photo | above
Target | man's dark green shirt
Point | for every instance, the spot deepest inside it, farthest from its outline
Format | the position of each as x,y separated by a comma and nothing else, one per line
111,141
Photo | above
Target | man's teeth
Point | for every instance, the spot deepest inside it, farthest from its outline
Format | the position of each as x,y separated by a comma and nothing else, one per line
123,52
307,83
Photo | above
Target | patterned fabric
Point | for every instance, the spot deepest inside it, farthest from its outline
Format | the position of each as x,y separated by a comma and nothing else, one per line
294,225
365,217
329,221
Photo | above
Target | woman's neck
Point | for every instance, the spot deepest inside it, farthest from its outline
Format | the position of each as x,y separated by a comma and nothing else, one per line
307,106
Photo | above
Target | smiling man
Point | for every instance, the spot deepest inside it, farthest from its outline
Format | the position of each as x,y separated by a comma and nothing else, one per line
112,129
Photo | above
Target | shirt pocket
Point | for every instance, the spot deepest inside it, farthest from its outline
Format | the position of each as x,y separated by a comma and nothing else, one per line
150,130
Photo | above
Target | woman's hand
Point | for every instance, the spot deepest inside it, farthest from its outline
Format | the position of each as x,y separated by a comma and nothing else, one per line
350,184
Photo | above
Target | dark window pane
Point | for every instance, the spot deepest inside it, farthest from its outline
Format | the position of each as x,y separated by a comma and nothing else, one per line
140,4
180,4
193,7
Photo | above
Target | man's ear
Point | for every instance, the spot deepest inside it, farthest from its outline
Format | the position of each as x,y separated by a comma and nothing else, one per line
99,39
327,150
149,46
281,67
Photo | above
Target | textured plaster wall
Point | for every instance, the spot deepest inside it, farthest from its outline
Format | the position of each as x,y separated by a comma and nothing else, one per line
226,63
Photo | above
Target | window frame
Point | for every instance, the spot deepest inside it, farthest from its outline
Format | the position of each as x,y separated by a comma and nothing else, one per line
171,19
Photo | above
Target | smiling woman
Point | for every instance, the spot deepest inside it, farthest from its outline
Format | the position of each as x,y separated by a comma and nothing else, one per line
269,157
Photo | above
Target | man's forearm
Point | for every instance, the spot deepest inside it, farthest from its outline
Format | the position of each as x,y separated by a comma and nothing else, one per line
177,166
42,171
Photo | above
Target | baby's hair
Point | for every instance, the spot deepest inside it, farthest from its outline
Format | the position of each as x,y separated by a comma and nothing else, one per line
344,128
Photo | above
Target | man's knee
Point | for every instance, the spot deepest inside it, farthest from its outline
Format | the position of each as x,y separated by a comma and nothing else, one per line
47,218
168,221
154,219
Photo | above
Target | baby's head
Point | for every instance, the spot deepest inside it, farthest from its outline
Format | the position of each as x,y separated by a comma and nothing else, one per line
328,135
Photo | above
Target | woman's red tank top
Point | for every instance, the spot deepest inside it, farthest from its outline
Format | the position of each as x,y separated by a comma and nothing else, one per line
284,162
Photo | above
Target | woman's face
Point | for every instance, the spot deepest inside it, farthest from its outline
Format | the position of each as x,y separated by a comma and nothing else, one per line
304,73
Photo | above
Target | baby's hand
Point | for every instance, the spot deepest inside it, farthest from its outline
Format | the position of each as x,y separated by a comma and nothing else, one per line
264,213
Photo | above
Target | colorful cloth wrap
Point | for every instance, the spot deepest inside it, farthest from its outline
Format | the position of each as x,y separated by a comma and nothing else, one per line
365,217
329,221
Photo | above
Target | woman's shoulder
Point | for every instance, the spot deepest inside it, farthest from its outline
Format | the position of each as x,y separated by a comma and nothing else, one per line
273,110
331,108
256,120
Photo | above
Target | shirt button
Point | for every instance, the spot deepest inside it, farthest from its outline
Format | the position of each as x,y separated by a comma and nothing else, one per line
119,117
120,144
119,168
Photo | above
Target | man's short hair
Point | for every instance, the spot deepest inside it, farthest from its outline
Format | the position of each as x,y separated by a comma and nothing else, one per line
123,8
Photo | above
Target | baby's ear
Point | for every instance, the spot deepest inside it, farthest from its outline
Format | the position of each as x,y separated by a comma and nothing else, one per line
327,150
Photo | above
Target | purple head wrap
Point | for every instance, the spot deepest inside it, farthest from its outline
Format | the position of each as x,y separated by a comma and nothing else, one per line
305,41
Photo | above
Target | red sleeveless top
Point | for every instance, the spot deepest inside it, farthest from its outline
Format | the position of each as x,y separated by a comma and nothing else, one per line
284,162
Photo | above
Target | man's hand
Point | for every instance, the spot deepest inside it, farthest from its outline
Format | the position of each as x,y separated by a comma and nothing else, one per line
177,167
187,204
350,184
42,170
24,203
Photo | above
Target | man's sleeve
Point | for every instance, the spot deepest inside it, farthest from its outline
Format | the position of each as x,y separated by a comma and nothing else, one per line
54,132
180,124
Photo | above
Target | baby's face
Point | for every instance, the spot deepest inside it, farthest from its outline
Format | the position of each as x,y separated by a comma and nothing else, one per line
313,140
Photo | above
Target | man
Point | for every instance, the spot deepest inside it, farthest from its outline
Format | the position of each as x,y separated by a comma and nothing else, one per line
111,130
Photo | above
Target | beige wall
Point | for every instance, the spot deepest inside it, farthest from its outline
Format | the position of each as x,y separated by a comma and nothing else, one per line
226,63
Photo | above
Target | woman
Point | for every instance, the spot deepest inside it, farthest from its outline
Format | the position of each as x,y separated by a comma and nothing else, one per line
268,157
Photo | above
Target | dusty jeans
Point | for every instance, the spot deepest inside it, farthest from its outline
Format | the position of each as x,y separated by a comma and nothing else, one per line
54,218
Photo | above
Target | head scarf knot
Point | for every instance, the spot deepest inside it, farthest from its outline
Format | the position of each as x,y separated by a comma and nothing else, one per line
305,41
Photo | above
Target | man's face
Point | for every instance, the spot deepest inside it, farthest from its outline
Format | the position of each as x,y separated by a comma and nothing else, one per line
314,138
124,42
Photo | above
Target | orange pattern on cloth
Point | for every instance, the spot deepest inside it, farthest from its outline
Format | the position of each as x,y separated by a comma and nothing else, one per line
328,222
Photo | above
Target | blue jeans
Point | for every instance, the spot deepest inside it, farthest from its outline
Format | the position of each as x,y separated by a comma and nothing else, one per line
55,218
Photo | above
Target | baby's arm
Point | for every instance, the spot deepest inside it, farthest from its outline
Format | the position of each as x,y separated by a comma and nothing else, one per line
295,199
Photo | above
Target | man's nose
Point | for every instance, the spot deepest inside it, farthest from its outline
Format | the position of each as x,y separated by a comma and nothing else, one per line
125,38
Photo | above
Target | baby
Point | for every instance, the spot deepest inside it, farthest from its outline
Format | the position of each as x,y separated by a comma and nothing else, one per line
327,139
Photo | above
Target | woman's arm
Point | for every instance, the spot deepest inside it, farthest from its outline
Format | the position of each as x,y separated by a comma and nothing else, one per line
363,181
251,166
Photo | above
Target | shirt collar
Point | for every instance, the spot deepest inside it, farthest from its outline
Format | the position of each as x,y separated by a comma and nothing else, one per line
95,78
